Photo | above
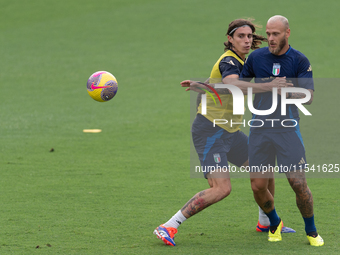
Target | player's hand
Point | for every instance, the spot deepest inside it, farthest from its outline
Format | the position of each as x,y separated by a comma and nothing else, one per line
186,83
191,85
280,82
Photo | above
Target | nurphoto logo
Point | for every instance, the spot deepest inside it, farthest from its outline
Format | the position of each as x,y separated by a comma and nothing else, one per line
238,104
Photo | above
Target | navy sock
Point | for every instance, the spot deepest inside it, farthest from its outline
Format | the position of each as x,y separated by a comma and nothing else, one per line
309,225
273,218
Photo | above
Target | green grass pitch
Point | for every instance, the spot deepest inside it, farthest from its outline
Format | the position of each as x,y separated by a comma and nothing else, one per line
105,193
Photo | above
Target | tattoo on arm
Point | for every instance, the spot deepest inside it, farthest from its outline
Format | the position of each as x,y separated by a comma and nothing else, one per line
300,95
297,95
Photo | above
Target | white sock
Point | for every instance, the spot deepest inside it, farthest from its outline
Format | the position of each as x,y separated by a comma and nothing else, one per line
175,220
263,218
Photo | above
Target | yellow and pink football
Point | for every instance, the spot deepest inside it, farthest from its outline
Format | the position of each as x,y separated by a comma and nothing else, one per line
102,86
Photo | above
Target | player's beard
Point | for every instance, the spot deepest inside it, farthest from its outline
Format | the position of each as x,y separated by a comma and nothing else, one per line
282,44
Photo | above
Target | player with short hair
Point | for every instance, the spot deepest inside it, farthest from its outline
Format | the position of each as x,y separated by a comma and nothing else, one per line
220,144
273,140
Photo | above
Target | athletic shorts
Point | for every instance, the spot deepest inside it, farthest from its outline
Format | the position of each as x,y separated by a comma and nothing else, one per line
215,146
286,147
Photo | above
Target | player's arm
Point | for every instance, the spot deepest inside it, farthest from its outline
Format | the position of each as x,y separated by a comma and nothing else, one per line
195,86
231,75
232,79
248,74
304,80
279,82
301,95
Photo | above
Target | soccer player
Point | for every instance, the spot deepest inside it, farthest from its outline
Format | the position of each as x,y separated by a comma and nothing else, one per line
273,139
223,143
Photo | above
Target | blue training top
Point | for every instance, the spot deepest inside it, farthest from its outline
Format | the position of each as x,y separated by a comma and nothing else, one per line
264,67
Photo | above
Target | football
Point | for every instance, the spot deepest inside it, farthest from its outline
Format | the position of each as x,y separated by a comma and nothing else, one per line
102,86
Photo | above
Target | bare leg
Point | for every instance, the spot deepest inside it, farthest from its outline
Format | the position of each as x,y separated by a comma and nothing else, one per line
260,184
263,219
220,187
271,186
304,198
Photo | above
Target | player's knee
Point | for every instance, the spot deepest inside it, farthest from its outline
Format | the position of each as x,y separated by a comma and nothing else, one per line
299,187
222,192
258,186
226,191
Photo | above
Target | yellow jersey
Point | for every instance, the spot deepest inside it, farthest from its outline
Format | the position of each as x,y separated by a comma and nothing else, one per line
224,111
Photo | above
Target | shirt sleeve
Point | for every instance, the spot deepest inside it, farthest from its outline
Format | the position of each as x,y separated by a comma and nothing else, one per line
247,72
228,66
305,74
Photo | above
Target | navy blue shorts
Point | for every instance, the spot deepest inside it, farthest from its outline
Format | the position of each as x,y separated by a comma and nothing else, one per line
286,147
215,146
